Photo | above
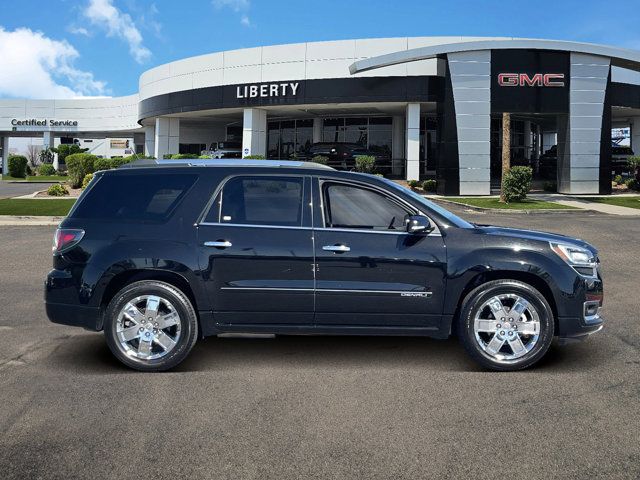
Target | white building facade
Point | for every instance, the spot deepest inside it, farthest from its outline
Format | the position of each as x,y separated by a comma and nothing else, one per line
429,107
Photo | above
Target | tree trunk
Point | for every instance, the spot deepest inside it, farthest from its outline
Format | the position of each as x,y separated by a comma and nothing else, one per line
506,150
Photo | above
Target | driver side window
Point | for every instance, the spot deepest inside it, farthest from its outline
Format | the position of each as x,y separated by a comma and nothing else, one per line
350,206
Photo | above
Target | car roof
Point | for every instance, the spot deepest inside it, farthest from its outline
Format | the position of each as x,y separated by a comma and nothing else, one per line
224,162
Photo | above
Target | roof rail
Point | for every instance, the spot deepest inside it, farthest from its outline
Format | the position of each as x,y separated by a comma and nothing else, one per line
224,162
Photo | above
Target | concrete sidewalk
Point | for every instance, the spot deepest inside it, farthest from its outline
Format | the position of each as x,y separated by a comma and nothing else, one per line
585,204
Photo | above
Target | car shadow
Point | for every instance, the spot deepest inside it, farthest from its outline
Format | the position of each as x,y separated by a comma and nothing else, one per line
91,355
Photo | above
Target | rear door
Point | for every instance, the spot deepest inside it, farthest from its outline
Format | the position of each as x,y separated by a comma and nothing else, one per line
369,270
256,250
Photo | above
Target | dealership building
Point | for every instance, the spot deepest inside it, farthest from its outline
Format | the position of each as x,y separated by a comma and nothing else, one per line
432,105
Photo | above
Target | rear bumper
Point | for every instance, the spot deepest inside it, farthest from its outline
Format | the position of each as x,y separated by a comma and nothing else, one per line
74,315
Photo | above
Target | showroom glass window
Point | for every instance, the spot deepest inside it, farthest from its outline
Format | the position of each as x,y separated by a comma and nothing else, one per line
259,200
288,138
349,206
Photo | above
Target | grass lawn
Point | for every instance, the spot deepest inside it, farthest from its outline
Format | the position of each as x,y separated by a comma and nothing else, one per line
38,178
528,204
58,207
631,202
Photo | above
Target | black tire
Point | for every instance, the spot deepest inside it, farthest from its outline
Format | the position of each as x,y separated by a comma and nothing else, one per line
188,323
475,300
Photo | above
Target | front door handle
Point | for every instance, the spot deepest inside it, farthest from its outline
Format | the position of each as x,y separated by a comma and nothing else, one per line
219,244
336,248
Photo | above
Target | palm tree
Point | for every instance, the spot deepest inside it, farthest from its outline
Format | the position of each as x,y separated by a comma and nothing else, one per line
506,151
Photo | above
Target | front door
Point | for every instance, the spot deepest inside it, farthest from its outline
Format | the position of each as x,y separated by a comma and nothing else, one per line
369,270
256,251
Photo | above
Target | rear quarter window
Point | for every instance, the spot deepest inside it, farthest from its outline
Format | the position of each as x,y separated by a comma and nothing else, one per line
141,197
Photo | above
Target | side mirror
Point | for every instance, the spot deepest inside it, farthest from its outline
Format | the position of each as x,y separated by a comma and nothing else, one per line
417,224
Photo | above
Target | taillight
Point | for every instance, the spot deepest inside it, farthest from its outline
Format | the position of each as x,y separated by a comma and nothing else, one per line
66,238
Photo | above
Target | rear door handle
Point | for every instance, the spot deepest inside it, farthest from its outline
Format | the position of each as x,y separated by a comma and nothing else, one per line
219,244
336,248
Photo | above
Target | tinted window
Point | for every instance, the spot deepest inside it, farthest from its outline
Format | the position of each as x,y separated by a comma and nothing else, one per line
354,207
140,197
259,201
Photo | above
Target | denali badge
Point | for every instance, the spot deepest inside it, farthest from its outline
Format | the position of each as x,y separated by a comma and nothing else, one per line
537,80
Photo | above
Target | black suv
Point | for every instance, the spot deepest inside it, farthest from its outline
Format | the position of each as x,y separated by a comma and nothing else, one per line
160,256
342,155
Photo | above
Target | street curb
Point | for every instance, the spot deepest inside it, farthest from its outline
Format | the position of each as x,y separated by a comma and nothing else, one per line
19,220
536,211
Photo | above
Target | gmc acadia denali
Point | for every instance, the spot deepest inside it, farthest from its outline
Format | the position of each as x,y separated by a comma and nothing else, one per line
159,256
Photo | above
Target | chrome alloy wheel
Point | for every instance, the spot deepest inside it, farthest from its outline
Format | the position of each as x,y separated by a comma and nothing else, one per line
506,327
148,327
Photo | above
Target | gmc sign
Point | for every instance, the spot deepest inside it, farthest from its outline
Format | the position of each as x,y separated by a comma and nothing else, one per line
537,80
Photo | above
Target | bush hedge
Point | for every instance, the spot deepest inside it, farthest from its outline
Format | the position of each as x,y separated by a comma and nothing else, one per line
79,165
46,169
365,163
18,166
255,157
57,190
86,180
429,185
321,159
413,184
517,183
632,184
184,156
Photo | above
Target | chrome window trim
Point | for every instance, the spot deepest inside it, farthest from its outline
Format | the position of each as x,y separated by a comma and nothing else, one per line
249,225
286,227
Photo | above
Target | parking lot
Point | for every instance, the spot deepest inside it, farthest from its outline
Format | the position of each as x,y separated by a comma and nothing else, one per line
320,407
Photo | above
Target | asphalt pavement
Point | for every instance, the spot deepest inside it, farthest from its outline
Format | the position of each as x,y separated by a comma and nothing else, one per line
15,189
320,407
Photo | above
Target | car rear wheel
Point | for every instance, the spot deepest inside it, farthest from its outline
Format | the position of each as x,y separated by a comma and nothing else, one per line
150,326
506,325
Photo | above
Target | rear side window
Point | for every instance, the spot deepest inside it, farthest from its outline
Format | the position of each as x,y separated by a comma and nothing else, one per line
259,201
141,197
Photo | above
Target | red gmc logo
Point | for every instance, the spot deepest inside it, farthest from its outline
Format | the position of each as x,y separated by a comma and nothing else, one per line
537,80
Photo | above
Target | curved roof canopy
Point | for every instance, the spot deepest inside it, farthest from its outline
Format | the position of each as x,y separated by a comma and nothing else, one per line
620,57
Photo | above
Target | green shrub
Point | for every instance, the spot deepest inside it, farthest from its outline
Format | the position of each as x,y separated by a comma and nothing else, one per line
633,163
184,156
632,184
321,159
429,185
86,180
365,163
57,190
29,171
550,187
255,157
517,183
46,169
413,184
204,157
46,155
18,166
116,162
78,165
102,164
617,179
65,150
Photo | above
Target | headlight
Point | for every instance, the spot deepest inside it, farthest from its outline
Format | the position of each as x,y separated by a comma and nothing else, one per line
581,259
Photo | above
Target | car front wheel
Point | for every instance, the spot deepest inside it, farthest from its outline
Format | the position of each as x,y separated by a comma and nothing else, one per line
150,325
506,325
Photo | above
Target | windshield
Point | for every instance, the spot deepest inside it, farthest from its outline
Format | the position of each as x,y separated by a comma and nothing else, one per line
452,218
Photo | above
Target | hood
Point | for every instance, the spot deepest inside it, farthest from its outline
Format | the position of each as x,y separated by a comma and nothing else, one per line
535,235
